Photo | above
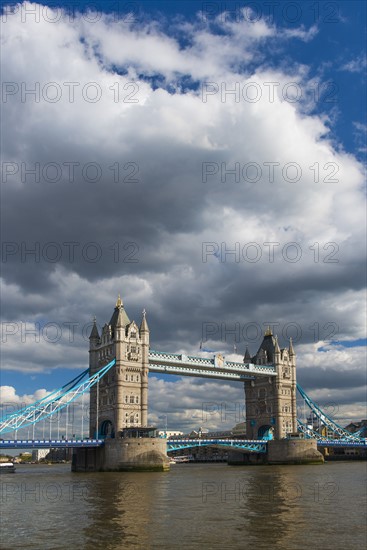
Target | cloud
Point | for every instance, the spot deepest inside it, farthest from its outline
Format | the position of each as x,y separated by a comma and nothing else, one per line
357,65
181,166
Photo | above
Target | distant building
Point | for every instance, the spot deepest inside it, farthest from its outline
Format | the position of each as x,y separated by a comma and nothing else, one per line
38,454
169,433
59,455
356,426
25,457
239,429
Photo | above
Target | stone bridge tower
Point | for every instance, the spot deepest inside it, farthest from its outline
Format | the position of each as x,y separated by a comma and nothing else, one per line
271,408
120,399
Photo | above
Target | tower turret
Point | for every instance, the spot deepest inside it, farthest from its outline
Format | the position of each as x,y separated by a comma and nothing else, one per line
276,351
94,334
144,335
123,392
290,349
144,325
271,402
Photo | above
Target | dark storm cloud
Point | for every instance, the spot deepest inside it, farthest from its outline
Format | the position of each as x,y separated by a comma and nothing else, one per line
145,235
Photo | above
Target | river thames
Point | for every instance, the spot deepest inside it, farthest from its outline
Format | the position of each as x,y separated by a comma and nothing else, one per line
210,506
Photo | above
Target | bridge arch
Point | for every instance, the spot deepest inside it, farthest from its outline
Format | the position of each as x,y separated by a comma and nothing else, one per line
265,432
107,429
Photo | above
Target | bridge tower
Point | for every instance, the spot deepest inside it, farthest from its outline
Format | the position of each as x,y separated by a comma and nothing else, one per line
271,409
120,399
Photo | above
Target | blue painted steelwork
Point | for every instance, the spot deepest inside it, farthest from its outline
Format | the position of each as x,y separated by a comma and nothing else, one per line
325,419
173,364
254,446
217,367
342,443
49,443
323,441
309,433
53,396
52,403
172,445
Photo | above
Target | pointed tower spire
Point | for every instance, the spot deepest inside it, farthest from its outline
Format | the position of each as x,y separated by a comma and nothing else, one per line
119,316
276,347
247,356
291,350
94,335
144,325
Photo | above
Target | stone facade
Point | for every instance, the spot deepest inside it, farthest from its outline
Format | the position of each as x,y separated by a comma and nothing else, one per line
294,451
120,399
123,455
271,402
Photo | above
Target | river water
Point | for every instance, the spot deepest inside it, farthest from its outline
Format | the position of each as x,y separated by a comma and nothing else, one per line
194,506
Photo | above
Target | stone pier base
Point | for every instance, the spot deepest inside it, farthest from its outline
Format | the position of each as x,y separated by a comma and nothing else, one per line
121,455
283,451
294,451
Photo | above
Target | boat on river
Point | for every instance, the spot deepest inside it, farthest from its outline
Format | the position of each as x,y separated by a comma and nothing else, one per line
7,468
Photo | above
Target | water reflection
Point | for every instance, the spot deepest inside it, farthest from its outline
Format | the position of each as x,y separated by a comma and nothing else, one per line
270,505
193,506
121,508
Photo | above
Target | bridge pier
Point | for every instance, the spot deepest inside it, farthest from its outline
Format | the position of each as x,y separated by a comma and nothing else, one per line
294,451
281,451
123,454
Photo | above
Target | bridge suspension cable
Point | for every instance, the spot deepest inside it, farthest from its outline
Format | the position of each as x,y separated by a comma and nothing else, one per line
309,433
53,396
53,402
325,419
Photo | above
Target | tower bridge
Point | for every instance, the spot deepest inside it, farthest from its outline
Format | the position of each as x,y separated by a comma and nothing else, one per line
120,360
186,365
269,378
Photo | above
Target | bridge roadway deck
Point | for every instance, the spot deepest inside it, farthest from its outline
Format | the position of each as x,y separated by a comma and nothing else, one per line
49,443
171,443
187,365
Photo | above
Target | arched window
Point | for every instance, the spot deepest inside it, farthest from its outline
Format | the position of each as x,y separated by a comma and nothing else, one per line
131,399
137,399
126,398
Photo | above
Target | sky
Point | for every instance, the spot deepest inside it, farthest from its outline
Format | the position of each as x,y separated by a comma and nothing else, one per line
206,160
